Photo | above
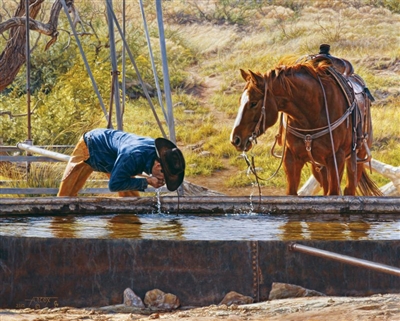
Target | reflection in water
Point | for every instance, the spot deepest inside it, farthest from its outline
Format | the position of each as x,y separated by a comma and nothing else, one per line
317,230
203,227
124,226
131,226
64,227
170,229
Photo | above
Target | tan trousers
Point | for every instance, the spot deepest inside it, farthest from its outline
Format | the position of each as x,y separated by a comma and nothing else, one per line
77,172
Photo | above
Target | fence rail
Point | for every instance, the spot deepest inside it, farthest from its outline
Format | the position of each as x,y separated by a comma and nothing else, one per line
25,160
49,191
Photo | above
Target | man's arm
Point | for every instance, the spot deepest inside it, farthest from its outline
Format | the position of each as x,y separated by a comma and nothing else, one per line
122,177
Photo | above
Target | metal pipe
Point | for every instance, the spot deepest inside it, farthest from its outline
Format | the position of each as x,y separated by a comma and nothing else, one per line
123,100
153,66
345,259
167,87
145,91
28,70
114,64
44,152
78,42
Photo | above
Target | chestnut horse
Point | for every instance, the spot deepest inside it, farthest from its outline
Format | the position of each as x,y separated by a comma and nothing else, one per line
319,124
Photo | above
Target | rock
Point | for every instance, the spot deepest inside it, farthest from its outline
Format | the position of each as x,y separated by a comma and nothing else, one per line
132,300
284,290
236,298
158,300
205,153
190,189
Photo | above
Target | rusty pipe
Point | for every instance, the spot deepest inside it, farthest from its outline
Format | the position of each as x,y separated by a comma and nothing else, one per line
345,259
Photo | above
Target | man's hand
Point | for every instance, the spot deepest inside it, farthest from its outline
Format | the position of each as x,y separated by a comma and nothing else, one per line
157,176
155,182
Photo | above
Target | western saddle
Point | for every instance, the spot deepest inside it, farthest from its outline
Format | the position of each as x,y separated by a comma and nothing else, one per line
354,88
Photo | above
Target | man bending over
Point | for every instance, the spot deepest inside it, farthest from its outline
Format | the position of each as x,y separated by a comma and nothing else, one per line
123,156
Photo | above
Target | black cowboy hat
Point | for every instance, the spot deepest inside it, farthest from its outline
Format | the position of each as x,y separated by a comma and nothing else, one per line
172,163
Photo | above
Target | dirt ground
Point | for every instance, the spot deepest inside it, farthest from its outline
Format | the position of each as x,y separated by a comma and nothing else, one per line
377,308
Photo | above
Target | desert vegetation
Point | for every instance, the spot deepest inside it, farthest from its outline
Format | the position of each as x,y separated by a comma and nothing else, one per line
207,42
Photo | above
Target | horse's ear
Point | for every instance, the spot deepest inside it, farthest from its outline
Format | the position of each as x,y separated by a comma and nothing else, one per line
244,74
257,78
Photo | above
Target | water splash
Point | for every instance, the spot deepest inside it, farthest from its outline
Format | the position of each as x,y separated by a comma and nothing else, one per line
253,184
251,201
158,190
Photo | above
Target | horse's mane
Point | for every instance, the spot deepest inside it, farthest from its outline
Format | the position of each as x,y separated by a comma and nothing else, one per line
289,65
293,64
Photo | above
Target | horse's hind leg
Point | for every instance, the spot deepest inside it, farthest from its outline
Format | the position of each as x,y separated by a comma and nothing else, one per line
353,177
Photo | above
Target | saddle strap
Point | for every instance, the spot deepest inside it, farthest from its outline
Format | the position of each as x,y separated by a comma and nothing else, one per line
360,118
323,130
344,85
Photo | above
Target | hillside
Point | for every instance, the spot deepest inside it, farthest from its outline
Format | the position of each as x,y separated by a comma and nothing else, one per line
280,32
208,42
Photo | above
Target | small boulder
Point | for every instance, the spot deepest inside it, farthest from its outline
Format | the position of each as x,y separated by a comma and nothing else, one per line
158,300
284,290
236,298
132,300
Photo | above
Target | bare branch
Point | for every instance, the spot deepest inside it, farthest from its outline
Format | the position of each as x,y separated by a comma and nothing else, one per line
11,115
14,54
38,26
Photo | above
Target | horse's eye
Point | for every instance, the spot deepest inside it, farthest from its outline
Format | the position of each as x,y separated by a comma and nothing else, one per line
253,104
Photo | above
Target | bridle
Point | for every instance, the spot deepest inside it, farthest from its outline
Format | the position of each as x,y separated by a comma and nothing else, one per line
253,139
262,118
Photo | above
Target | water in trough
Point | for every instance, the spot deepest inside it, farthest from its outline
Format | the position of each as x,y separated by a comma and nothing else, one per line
262,227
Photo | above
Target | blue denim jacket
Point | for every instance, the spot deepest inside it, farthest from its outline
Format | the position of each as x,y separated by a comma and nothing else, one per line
122,155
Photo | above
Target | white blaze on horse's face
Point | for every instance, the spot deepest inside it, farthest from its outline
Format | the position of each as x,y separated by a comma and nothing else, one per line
243,101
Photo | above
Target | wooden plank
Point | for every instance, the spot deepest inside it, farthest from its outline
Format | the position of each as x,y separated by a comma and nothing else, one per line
341,206
54,191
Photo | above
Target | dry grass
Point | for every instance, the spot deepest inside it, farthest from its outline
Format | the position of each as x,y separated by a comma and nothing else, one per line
208,41
365,35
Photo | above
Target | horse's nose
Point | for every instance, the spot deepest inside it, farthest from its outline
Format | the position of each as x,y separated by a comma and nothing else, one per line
236,141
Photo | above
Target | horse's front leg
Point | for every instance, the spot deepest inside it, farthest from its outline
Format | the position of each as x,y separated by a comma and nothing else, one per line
321,175
292,167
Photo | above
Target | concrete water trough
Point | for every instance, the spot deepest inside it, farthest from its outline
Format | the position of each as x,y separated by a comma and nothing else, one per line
71,268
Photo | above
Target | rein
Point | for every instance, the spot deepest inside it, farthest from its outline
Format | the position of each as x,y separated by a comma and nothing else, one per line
253,138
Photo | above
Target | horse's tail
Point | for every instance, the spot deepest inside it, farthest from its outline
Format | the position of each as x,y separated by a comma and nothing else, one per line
367,187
